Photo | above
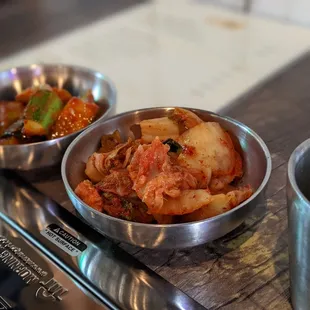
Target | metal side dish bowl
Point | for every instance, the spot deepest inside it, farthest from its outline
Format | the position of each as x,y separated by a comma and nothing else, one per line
257,169
76,80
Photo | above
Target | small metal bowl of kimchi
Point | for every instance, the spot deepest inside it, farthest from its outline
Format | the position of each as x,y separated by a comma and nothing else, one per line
44,107
166,178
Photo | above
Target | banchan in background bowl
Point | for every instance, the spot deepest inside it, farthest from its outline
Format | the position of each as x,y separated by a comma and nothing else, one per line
77,80
257,168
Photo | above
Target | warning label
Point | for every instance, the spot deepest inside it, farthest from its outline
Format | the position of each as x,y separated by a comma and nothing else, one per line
64,240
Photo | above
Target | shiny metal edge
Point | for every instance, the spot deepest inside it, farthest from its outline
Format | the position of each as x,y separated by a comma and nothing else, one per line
34,280
294,158
117,280
298,211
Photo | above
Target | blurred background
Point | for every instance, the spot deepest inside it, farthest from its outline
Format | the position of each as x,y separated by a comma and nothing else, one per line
201,53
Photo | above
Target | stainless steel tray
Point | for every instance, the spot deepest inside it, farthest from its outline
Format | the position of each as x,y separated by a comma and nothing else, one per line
51,259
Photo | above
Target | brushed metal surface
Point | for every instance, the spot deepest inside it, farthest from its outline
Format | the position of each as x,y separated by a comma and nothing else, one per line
52,291
298,194
102,271
257,163
73,78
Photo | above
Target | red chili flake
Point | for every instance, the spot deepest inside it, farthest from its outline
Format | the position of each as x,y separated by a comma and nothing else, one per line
189,150
223,142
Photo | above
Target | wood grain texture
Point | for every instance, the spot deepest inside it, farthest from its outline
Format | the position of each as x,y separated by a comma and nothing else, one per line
248,268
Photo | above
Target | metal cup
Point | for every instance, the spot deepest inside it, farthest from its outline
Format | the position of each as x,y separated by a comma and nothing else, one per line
298,198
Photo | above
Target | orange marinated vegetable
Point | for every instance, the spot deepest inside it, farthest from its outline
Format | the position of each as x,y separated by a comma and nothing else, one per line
10,112
25,95
9,141
44,112
63,94
76,115
181,170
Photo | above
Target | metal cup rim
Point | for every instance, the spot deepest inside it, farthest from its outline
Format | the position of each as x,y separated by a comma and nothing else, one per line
293,161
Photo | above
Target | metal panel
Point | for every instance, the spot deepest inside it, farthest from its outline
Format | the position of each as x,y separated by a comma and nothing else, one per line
102,270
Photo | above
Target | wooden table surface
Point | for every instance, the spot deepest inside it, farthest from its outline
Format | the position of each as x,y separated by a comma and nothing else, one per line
248,268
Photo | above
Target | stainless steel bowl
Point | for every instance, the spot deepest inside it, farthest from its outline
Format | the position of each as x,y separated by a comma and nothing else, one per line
75,79
257,163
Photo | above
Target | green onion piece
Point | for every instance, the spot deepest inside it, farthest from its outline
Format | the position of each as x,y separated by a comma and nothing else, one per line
175,147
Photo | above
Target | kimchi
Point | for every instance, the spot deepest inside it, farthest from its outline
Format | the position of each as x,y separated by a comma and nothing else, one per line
181,169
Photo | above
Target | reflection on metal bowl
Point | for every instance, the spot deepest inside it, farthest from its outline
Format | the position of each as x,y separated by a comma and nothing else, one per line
134,289
257,166
77,81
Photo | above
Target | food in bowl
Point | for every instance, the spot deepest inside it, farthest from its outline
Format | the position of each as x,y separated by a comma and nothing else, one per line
44,113
181,169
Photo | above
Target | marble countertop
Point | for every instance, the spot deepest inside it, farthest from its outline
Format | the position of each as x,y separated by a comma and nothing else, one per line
175,52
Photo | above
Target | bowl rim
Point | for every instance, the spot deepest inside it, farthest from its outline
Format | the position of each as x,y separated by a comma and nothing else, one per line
264,182
291,169
98,74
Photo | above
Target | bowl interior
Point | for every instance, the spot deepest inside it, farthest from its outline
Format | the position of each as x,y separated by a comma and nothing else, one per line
255,155
76,80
